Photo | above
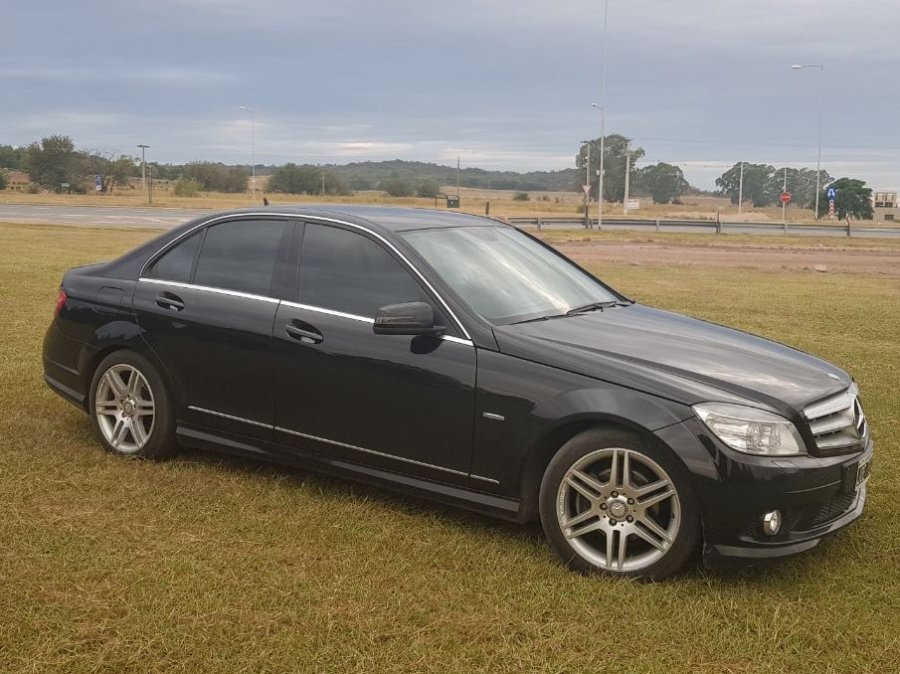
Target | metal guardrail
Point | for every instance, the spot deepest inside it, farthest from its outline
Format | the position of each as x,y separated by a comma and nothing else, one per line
710,226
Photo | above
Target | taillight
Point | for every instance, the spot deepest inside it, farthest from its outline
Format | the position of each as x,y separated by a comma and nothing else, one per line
60,301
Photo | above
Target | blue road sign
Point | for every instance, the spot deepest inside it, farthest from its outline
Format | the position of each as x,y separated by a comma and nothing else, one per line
98,183
831,193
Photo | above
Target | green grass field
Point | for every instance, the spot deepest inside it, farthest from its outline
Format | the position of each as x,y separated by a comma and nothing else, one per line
211,564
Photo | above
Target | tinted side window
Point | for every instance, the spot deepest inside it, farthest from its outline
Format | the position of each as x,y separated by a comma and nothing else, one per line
345,271
240,255
176,264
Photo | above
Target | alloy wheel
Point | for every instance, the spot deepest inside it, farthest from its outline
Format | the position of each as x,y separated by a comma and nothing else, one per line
618,509
124,408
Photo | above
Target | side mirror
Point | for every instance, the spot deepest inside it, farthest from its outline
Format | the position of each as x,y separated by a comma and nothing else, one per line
408,318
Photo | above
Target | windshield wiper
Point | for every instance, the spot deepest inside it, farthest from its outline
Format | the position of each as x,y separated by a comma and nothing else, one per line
594,306
540,318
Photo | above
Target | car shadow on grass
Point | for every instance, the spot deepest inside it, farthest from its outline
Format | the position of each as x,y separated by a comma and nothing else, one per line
529,535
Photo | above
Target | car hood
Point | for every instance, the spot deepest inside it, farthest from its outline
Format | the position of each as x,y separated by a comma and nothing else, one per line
682,358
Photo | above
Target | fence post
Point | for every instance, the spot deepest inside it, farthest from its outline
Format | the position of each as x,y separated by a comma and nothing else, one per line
657,224
539,224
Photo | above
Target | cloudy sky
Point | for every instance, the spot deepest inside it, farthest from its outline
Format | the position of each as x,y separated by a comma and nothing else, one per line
504,84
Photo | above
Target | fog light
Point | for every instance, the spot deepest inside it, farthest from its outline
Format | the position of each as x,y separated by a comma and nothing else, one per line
771,522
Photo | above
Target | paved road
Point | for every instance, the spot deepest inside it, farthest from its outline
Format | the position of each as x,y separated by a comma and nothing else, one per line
99,216
165,218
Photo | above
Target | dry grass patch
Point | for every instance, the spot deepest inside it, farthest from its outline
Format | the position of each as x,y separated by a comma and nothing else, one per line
209,564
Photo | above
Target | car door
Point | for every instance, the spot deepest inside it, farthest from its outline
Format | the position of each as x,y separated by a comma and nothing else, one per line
206,308
400,403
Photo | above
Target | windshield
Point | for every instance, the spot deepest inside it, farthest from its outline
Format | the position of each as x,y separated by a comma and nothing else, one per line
504,275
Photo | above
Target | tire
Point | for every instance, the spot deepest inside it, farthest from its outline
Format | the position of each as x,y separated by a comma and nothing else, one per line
130,407
646,527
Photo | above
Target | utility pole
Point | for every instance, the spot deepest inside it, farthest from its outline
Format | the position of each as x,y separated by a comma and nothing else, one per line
741,191
323,181
627,179
784,203
457,179
144,170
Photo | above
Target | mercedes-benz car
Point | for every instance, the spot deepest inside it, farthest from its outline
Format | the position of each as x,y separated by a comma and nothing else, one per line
460,359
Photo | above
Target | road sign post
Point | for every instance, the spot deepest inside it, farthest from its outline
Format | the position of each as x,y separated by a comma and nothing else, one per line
785,200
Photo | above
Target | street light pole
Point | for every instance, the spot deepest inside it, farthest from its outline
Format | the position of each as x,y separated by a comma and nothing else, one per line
252,151
144,170
741,191
627,179
602,107
821,69
587,187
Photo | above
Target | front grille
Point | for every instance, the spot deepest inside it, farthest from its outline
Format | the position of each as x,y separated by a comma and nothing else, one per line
838,423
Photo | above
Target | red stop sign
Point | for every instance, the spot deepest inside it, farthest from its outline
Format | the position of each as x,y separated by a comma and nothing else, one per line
785,197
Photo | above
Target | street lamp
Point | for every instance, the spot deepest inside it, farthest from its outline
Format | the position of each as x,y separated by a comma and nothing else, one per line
144,170
600,172
602,107
821,69
252,151
587,184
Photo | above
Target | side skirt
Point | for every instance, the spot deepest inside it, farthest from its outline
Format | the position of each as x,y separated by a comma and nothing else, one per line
488,504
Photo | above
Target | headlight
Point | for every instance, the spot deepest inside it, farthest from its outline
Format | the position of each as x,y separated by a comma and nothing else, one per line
751,430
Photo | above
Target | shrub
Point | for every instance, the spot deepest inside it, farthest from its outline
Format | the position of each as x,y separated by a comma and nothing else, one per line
428,188
187,187
521,196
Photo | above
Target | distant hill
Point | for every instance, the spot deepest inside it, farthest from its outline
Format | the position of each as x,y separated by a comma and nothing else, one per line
369,174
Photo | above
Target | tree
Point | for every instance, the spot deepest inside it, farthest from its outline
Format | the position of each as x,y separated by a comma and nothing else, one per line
12,157
664,182
613,165
852,199
397,187
187,187
52,162
759,184
428,188
3,181
294,179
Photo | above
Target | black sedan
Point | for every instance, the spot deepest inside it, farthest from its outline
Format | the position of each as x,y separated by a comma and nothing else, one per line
457,358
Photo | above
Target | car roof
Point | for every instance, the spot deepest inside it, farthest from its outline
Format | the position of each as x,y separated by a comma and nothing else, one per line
390,218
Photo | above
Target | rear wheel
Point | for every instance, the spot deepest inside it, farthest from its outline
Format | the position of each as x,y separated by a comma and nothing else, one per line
611,502
130,407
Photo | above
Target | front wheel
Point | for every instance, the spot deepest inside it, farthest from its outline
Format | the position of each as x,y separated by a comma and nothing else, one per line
130,408
611,502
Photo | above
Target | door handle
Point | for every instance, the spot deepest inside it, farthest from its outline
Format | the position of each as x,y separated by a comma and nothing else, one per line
308,334
169,301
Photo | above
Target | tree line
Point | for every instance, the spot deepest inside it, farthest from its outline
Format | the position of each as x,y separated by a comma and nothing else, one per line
54,163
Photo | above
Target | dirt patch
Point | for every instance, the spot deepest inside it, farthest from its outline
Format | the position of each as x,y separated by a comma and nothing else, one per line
843,261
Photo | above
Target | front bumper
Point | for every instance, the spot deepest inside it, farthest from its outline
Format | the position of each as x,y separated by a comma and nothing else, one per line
817,496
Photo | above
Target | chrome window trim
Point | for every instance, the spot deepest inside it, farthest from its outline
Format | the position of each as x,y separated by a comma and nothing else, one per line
229,416
210,289
330,312
314,218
